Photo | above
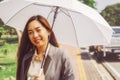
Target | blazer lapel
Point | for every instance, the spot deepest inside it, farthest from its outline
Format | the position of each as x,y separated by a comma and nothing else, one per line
49,58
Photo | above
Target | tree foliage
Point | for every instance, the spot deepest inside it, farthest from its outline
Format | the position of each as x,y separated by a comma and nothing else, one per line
1,22
90,3
112,14
4,29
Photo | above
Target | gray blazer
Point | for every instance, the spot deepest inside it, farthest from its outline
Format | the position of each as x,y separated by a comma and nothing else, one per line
57,65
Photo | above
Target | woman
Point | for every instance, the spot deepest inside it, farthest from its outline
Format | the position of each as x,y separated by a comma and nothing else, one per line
39,50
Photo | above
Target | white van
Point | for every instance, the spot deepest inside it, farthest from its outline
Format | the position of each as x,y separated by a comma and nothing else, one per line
113,47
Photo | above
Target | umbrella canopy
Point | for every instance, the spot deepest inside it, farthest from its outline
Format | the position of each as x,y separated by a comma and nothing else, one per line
73,22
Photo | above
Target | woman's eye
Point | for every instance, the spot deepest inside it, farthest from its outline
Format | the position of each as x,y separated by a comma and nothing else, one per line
38,30
30,32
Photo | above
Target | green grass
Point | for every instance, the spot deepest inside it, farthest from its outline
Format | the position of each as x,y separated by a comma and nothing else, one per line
8,60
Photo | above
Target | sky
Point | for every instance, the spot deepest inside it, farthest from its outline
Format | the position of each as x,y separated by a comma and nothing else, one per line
101,4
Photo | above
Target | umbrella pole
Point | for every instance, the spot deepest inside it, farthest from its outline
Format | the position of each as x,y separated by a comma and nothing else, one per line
54,17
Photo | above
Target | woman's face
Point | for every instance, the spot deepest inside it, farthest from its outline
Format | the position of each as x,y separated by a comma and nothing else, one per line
37,34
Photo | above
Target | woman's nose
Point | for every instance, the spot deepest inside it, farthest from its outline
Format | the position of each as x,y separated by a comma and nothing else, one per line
35,34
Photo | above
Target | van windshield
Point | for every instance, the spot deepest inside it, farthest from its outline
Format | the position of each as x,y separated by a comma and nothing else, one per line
117,30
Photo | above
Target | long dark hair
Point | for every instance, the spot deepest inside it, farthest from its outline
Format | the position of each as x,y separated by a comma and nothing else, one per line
26,45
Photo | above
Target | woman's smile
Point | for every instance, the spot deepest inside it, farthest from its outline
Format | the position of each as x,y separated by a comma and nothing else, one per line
38,35
37,41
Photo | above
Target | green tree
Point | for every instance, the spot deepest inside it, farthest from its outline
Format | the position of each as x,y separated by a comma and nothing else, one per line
90,3
4,29
1,22
112,14
1,28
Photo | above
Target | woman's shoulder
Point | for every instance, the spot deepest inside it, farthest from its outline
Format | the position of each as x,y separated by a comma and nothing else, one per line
59,51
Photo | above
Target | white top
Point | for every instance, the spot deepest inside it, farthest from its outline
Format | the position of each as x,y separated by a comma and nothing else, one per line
35,69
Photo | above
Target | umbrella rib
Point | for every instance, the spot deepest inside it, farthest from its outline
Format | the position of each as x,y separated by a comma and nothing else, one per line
21,10
50,12
68,14
18,12
73,23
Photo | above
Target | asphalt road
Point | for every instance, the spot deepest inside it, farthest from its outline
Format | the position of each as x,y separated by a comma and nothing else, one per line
112,63
88,67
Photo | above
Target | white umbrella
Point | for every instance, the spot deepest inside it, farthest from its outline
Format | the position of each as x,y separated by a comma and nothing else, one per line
74,23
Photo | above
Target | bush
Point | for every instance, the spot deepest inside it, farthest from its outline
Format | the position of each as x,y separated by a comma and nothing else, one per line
2,42
0,34
12,40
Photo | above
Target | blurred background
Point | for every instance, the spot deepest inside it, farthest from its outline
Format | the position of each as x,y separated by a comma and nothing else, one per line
9,37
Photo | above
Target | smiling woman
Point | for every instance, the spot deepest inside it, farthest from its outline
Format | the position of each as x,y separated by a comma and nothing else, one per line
39,55
38,35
